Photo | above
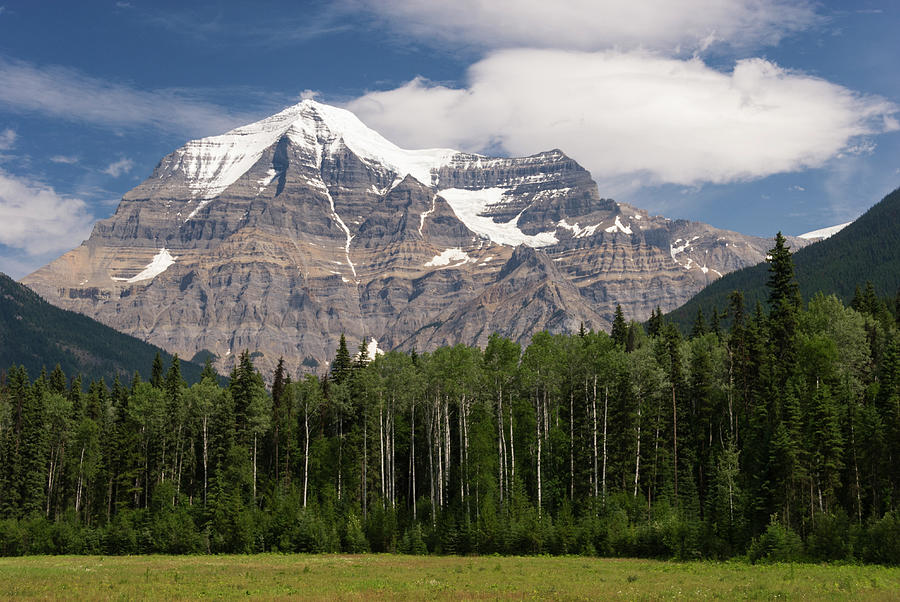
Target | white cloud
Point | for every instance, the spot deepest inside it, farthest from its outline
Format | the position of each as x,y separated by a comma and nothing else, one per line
634,114
7,139
69,94
36,219
596,24
119,168
65,159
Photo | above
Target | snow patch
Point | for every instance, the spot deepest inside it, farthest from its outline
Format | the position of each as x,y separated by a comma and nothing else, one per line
372,349
450,255
159,264
469,205
343,226
619,226
426,214
578,231
823,233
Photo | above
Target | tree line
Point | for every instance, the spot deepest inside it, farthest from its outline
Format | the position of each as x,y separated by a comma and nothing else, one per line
777,440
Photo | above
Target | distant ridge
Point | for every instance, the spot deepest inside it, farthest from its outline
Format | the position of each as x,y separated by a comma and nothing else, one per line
867,249
35,334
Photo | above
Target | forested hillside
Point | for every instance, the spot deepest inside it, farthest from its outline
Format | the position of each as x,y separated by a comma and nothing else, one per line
866,250
35,334
778,439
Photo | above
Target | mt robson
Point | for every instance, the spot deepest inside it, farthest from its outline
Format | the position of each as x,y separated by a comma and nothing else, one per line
280,235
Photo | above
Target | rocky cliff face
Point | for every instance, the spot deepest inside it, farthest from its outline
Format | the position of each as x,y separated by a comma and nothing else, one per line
280,235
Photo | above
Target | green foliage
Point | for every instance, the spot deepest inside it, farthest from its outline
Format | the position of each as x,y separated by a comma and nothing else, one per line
36,334
661,446
777,543
869,248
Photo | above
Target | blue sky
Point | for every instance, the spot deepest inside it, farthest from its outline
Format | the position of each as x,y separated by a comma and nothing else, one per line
753,115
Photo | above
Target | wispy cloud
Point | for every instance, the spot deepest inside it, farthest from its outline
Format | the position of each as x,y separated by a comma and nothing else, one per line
64,159
7,139
595,24
216,24
69,94
119,168
635,115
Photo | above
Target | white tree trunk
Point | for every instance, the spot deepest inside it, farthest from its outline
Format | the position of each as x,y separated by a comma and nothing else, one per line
594,432
305,454
605,414
539,438
637,455
205,456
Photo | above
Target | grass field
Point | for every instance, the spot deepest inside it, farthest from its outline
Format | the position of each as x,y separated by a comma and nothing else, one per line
415,577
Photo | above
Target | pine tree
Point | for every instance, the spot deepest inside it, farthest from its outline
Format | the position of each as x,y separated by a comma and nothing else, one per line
156,372
897,307
619,327
699,328
655,323
716,327
58,382
784,301
208,371
342,364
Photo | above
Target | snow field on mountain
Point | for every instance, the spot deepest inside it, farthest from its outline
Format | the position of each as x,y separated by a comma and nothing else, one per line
469,205
159,264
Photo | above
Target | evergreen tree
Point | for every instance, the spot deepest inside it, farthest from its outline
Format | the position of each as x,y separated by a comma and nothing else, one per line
655,323
699,328
342,365
784,301
156,372
619,327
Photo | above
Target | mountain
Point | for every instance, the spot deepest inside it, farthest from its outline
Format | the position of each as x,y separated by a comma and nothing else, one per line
35,334
867,249
280,235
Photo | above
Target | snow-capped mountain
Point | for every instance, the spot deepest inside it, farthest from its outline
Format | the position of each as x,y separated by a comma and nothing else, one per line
280,235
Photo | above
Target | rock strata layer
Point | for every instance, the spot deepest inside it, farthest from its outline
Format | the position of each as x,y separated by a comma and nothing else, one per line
279,236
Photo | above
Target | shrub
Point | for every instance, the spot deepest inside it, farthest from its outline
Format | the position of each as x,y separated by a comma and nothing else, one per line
777,544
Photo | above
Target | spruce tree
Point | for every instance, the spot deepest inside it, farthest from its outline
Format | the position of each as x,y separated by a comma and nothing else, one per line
619,327
699,328
342,364
58,382
716,327
156,372
785,302
209,371
655,323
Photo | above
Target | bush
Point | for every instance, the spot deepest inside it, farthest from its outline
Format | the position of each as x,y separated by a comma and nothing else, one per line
778,544
12,539
354,540
413,542
830,538
881,541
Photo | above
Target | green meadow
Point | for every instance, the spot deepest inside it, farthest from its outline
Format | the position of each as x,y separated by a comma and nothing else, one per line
368,577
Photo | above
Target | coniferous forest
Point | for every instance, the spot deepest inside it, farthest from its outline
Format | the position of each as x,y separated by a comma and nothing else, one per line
778,439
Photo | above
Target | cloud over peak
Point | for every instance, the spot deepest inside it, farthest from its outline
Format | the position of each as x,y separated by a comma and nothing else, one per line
641,114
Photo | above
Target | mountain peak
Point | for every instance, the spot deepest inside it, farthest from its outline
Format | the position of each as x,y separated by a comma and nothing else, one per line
210,165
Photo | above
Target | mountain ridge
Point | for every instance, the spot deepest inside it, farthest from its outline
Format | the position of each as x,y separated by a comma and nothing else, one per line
867,249
37,335
280,235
